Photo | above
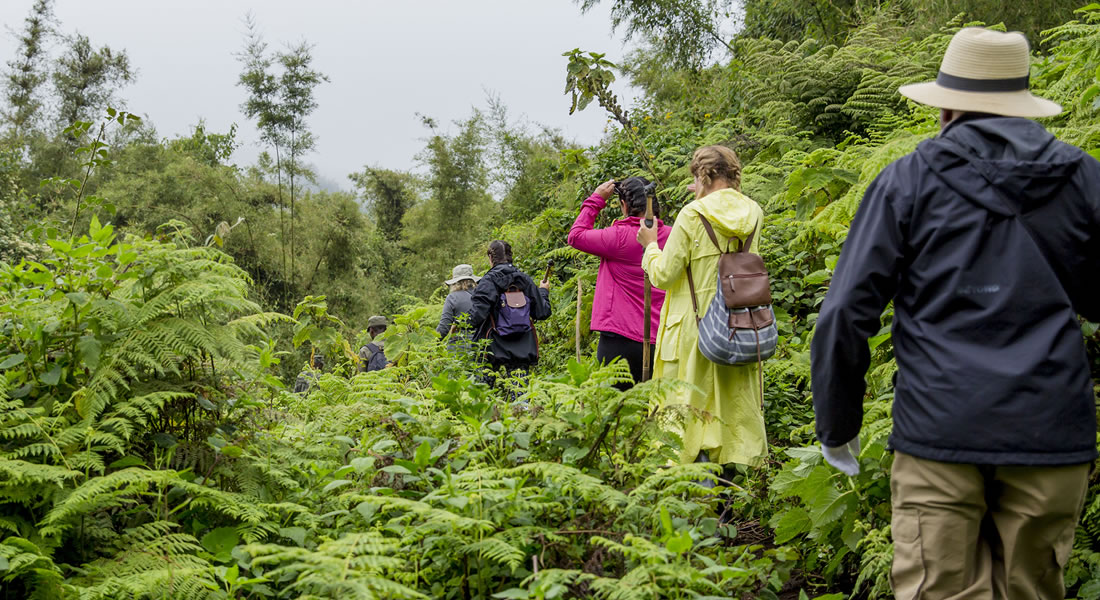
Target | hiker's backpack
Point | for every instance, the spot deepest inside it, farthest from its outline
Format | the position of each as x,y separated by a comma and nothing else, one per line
739,327
513,315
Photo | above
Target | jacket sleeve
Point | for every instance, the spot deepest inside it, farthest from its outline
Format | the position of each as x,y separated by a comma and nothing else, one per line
481,303
1089,305
865,280
448,316
665,266
542,305
598,242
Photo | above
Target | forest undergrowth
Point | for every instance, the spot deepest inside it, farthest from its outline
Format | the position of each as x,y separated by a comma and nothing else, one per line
150,446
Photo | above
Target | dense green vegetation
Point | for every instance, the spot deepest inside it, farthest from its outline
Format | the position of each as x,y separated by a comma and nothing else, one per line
156,300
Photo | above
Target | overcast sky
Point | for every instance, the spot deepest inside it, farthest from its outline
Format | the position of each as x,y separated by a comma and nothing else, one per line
387,60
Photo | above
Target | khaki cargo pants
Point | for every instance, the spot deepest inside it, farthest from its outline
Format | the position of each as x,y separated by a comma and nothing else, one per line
969,531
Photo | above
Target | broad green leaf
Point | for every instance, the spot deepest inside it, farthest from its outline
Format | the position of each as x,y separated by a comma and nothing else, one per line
817,277
396,470
232,451
793,523
442,449
52,375
127,461
367,509
232,573
165,440
220,543
332,485
88,347
12,360
297,534
680,543
423,454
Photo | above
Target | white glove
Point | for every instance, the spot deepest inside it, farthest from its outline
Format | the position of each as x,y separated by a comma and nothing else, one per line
845,458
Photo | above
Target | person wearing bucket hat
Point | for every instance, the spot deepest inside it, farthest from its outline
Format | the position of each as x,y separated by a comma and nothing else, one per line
457,304
986,238
372,356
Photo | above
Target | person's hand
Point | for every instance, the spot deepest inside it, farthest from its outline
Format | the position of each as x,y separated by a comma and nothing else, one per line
606,189
647,235
545,284
845,458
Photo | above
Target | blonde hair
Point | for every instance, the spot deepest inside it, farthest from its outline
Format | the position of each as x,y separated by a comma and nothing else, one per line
716,162
462,284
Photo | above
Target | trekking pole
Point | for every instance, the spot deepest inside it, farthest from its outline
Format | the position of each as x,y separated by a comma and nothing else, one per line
580,309
648,292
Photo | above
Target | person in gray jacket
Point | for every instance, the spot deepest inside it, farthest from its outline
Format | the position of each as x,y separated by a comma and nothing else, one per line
458,303
373,355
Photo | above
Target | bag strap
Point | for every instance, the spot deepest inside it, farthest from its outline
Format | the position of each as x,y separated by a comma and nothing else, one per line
714,239
965,154
694,300
710,232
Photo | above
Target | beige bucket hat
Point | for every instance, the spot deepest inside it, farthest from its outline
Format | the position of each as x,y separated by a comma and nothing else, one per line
462,272
984,71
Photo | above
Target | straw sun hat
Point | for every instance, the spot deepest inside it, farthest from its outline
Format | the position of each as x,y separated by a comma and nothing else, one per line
462,272
984,71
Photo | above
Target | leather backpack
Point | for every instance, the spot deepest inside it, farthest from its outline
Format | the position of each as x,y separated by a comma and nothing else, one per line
739,327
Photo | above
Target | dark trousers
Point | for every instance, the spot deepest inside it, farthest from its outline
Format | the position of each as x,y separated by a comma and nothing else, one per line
613,345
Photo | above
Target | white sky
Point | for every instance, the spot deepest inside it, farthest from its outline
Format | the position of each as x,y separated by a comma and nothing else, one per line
386,59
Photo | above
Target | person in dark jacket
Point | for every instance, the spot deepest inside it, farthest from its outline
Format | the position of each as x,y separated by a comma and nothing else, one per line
987,239
515,351
307,379
458,302
373,355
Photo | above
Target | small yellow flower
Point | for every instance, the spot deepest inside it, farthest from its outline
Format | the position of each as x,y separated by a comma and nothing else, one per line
668,116
647,117
634,128
706,116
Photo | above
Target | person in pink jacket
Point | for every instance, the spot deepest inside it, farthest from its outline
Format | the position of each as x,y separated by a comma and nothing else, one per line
618,305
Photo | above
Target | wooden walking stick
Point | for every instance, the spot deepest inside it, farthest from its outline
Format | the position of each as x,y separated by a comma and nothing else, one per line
648,291
577,324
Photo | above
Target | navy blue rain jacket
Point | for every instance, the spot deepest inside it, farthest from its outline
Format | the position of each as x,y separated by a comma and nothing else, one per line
992,366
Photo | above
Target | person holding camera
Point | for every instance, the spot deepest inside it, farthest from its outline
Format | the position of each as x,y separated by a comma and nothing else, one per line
618,307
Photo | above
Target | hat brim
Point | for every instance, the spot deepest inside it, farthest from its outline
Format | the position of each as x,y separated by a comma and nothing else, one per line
1009,104
474,279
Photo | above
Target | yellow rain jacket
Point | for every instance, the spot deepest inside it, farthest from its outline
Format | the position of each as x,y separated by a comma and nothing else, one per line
730,395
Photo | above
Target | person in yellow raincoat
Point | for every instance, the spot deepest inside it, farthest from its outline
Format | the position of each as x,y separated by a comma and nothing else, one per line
729,423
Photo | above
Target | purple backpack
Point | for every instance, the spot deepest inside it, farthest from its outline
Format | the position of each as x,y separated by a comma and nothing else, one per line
514,313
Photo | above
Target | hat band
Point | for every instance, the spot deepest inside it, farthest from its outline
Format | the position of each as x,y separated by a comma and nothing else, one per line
966,84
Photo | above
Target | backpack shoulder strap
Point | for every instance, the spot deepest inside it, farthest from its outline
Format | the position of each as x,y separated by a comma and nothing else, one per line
748,241
714,239
710,232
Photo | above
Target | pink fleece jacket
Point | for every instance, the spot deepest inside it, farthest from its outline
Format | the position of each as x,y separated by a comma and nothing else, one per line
618,304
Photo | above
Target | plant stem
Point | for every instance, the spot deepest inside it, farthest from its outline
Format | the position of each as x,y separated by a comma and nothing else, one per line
87,173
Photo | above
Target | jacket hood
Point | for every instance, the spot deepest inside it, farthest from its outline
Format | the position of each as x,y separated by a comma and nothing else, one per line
993,160
731,213
502,275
